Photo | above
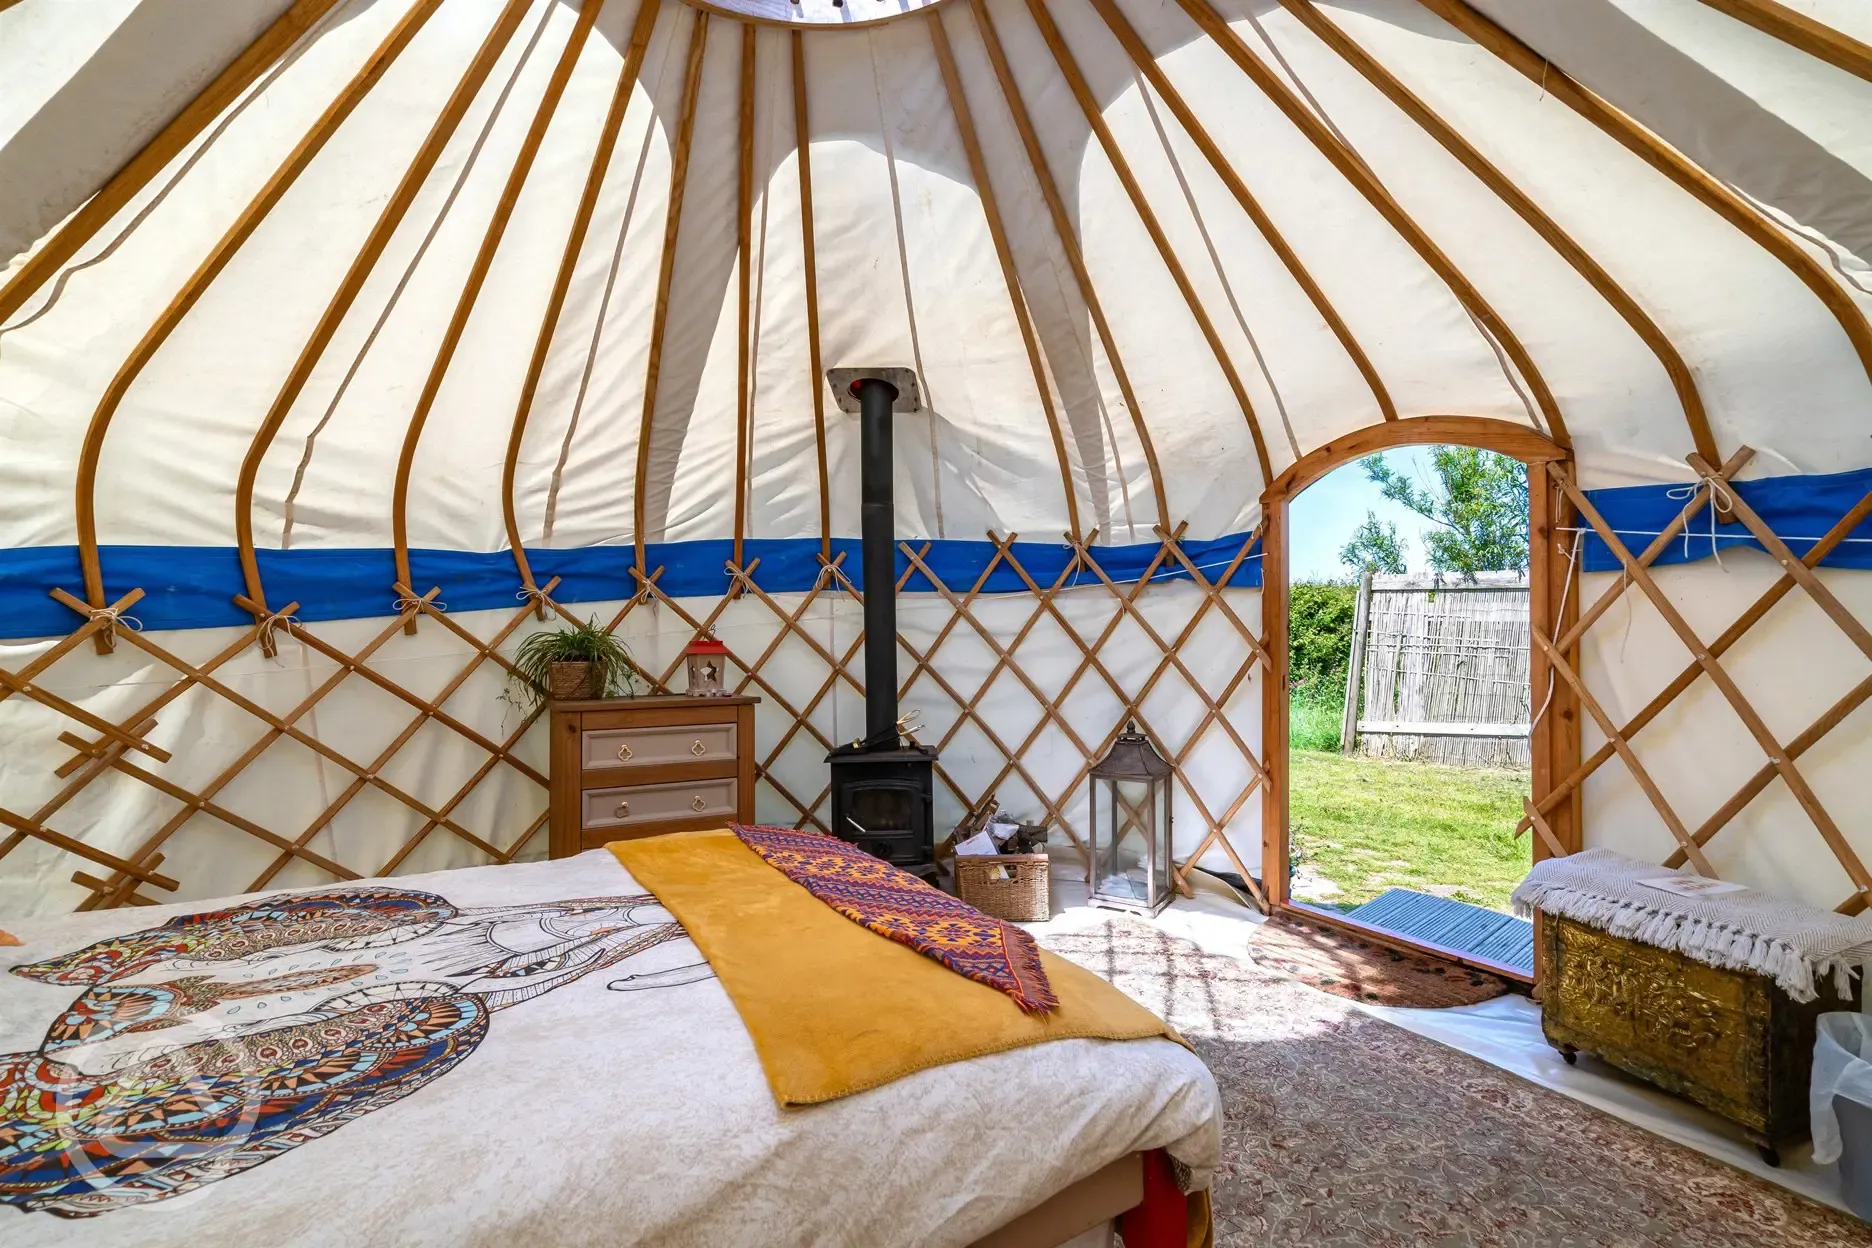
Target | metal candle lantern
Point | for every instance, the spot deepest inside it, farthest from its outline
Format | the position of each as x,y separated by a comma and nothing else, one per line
1131,834
708,668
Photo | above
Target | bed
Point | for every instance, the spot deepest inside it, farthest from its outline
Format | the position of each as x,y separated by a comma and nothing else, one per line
524,1054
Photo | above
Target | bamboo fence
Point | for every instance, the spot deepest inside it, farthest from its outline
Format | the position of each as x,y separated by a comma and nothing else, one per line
1440,670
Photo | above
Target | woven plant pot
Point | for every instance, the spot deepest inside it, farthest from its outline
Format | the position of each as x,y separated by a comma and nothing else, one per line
572,682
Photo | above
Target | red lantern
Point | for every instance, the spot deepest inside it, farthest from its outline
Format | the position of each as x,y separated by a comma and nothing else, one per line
708,668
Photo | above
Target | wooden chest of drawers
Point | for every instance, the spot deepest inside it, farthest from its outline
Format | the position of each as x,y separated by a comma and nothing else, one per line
1729,1040
630,767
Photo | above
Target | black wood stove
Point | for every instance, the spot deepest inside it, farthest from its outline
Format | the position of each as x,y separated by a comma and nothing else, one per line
882,784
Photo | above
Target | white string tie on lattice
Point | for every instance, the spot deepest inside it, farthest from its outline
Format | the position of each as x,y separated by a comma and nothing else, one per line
271,626
406,603
1719,494
1566,588
114,617
532,595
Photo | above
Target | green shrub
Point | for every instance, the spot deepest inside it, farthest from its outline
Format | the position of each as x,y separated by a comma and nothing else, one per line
1319,630
1319,647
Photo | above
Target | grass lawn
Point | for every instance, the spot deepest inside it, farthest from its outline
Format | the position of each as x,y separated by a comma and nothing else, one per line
1368,824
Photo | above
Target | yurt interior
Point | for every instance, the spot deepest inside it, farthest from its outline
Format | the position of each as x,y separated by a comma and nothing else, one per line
673,622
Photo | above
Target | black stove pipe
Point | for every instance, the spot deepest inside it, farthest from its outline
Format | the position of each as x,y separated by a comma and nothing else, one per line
877,494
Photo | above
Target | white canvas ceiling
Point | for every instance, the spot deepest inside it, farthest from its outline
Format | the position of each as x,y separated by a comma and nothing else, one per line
905,266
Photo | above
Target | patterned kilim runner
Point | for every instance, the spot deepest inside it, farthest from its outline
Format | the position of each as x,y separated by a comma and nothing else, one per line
897,905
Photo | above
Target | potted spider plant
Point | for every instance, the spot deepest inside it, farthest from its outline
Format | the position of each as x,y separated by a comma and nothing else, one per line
569,664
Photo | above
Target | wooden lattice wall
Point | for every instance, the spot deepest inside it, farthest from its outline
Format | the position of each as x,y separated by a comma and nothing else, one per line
1176,650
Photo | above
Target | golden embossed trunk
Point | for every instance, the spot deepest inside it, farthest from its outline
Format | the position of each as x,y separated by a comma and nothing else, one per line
1729,1040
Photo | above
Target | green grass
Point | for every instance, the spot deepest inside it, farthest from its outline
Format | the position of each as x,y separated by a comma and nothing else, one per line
1368,824
1314,713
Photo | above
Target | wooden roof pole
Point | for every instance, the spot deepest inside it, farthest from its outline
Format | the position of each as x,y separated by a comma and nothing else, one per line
1666,160
1010,276
1353,169
672,227
1186,117
1089,105
744,248
641,29
802,142
1069,243
210,268
141,169
477,276
1524,207
1798,30
443,128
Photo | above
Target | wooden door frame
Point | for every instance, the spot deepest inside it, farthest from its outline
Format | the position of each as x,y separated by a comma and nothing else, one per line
1553,606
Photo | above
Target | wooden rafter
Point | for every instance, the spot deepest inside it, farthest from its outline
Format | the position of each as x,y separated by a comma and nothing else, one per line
1668,161
631,66
218,259
274,42
1796,29
477,277
802,141
1354,170
1089,106
666,270
744,314
1010,275
1069,244
1524,207
1146,64
440,131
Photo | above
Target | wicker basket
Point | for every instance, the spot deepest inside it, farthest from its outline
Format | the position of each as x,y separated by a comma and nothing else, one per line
571,681
1019,898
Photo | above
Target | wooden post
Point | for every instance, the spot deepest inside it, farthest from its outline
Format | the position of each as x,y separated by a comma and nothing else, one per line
1355,668
1274,701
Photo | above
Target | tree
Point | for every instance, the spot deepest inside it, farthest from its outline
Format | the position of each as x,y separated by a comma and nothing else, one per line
1374,548
1479,501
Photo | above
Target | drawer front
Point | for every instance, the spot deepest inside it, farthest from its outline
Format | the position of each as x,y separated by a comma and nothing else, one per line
656,803
660,746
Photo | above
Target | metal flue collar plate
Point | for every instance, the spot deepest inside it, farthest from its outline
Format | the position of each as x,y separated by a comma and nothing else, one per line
909,393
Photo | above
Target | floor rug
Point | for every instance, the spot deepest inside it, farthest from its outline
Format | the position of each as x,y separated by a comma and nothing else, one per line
1340,1129
1338,962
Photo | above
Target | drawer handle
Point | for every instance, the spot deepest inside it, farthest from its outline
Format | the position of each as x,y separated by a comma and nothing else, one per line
698,749
696,803
624,753
623,809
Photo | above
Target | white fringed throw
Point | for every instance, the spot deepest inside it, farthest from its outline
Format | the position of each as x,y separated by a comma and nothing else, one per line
1791,943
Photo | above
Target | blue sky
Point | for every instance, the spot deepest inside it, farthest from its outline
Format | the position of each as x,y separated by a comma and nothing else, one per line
1322,519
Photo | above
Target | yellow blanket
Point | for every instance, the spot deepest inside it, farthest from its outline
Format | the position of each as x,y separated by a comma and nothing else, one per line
833,1008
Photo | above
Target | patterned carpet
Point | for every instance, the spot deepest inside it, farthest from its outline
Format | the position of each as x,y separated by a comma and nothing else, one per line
1341,1129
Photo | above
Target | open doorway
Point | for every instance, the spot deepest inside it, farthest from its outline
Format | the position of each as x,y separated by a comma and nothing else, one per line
1409,705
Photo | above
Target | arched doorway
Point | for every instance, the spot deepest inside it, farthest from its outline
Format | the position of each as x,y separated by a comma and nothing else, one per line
1555,741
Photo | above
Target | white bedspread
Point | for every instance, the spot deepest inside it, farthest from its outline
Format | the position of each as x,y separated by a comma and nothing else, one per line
602,1111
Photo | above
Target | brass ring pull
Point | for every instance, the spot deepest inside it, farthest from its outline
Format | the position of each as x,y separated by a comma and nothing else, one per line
623,809
698,749
624,753
697,803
